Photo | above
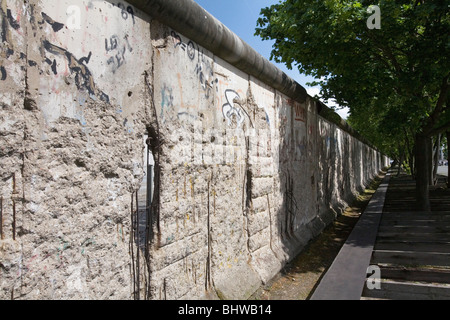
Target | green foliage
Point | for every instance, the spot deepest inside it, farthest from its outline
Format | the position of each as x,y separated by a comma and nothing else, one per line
394,80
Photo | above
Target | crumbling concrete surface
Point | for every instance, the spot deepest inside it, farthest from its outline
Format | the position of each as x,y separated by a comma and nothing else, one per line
243,176
74,109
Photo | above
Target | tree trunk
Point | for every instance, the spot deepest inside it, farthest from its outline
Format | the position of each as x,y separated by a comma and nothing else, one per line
423,159
448,152
430,160
414,162
400,149
412,165
413,154
435,161
410,155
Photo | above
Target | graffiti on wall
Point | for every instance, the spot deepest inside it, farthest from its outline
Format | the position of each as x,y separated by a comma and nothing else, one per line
166,100
300,113
56,26
203,70
126,11
233,113
3,73
83,76
117,48
56,58
231,110
6,21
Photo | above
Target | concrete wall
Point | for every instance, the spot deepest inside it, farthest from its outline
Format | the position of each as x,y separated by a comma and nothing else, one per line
244,176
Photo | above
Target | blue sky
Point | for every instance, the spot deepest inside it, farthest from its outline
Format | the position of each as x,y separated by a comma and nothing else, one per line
240,16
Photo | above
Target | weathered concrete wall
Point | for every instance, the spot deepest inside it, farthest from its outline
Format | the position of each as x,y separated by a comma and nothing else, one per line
245,175
74,109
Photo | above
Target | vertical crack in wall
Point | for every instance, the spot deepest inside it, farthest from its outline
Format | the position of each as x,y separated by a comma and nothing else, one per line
291,207
208,226
149,218
248,185
13,36
152,214
138,242
14,225
155,143
28,103
135,276
270,224
138,251
148,223
1,218
250,175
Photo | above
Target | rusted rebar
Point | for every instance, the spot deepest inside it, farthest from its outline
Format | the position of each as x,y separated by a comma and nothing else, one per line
1,218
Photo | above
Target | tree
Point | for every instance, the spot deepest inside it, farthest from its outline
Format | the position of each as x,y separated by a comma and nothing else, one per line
388,129
398,73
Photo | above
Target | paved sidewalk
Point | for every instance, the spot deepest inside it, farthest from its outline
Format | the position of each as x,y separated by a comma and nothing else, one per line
346,277
408,251
412,248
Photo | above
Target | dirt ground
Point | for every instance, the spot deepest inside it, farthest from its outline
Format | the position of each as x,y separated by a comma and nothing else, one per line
300,277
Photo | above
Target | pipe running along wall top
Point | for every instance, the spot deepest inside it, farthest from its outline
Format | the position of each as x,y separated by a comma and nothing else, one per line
196,23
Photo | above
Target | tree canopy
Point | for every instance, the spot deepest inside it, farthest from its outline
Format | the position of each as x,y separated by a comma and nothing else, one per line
395,79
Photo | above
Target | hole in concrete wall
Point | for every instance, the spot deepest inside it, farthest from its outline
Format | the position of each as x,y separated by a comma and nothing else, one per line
145,196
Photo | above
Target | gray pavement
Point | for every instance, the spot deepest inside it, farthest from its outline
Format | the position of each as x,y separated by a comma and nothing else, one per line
412,250
407,251
346,277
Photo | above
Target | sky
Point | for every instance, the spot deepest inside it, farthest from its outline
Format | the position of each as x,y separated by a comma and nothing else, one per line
240,16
